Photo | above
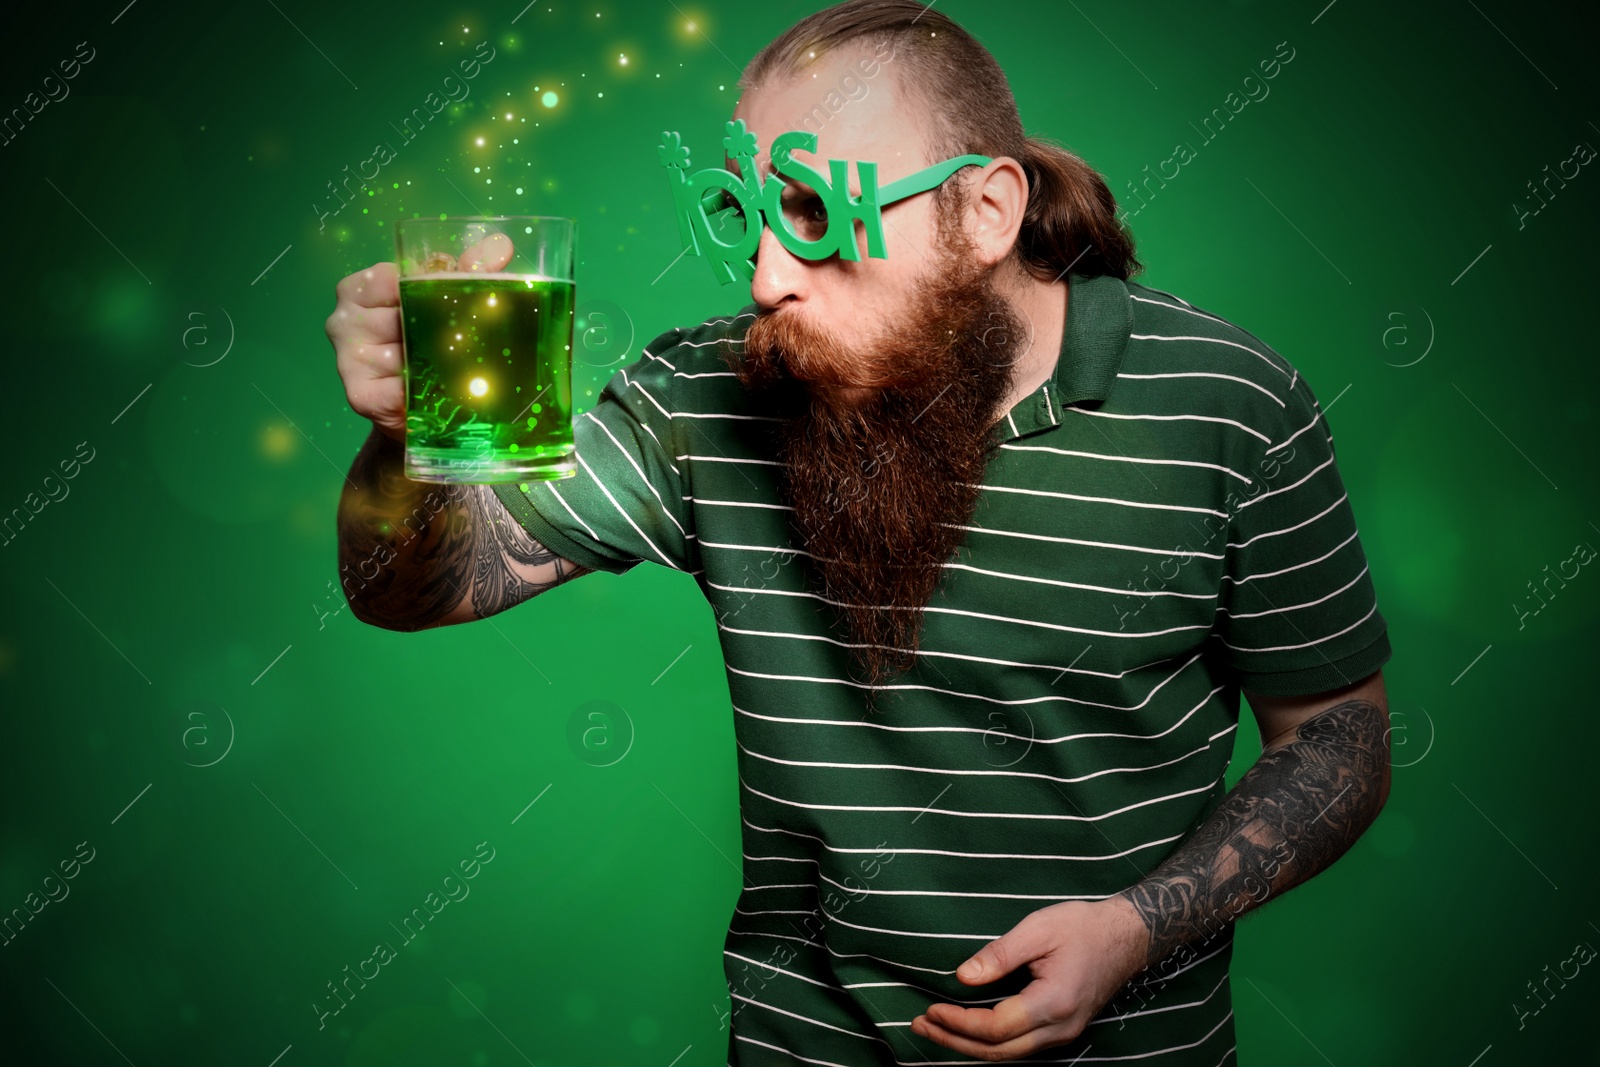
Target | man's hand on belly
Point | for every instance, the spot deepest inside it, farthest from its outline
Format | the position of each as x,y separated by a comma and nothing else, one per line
1319,783
1079,952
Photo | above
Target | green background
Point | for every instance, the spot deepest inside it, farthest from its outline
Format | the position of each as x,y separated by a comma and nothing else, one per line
184,593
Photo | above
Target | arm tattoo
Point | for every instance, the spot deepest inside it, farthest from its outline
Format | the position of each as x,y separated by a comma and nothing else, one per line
1299,808
499,543
411,553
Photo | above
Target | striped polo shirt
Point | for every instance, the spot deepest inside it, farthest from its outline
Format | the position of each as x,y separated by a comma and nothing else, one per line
1162,525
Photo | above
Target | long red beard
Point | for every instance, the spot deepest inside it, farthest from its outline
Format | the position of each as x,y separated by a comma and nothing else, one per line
879,483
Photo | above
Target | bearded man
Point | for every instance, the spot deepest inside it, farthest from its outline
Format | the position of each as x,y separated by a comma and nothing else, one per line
996,538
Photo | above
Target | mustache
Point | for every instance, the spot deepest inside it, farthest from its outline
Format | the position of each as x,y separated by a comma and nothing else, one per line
780,345
794,362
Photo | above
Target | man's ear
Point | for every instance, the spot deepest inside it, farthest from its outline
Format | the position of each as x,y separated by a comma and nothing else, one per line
997,200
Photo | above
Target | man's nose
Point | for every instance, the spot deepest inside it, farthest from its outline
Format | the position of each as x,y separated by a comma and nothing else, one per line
780,275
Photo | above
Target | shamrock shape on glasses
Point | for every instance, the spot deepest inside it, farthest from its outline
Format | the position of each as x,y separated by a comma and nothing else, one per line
721,215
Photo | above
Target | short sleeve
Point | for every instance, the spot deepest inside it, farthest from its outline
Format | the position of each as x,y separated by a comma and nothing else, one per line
625,504
1297,612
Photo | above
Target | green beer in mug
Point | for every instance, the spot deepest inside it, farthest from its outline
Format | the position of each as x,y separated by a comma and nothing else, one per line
486,312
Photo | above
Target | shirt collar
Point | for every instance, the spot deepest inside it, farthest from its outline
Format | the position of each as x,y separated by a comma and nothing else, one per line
1099,322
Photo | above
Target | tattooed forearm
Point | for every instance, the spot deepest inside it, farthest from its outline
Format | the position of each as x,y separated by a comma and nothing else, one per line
414,555
503,557
1299,808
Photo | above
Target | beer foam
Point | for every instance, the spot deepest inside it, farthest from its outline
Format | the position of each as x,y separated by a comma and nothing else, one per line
464,275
